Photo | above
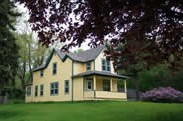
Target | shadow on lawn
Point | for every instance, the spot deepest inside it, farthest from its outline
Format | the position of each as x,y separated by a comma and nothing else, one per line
171,116
8,114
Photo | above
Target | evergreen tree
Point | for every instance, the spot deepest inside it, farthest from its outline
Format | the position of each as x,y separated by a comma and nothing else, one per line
8,47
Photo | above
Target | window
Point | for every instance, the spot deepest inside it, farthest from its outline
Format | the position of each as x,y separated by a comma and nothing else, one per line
66,86
106,85
36,91
41,90
54,68
89,84
41,73
28,91
88,66
106,65
54,88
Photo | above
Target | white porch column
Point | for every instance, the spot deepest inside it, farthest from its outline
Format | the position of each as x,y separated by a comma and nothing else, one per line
94,83
125,89
94,86
111,85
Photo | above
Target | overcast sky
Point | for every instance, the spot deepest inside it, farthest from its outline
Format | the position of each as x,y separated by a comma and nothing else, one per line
23,26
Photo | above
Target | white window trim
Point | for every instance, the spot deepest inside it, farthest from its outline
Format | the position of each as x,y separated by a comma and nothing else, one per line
54,88
106,65
88,66
42,90
89,80
66,87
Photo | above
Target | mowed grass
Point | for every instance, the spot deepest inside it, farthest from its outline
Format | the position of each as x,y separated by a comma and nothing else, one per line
92,111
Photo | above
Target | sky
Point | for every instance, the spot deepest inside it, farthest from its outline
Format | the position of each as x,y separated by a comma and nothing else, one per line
23,26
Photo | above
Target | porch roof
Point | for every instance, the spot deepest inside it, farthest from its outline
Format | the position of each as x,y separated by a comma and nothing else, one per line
100,73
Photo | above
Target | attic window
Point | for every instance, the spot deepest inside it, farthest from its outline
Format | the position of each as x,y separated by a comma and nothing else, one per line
54,71
106,65
88,66
41,73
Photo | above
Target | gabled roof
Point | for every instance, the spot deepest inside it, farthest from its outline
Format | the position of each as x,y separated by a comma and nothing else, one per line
100,73
85,56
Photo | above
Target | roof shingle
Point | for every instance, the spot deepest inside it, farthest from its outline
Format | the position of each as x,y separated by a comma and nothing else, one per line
84,56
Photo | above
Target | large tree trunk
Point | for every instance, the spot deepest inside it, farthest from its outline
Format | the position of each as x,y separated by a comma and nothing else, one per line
30,69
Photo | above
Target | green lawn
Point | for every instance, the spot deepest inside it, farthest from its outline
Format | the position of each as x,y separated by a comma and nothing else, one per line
92,111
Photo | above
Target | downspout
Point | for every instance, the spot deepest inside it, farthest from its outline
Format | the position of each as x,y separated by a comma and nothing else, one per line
72,98
94,65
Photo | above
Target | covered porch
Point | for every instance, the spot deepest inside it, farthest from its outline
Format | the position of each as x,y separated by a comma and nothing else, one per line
103,85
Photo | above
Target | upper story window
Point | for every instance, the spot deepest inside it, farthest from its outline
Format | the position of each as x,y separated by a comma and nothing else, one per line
106,65
41,73
88,66
28,91
54,71
54,88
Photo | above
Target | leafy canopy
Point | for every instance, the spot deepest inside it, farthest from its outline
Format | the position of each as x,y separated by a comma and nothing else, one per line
151,26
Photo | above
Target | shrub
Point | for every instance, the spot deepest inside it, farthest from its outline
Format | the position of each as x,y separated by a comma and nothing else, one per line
163,94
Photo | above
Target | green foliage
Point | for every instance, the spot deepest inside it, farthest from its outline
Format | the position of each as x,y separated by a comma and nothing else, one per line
155,77
78,51
9,49
31,55
160,76
92,111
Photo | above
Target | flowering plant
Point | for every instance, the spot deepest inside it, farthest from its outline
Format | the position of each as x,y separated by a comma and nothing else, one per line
163,94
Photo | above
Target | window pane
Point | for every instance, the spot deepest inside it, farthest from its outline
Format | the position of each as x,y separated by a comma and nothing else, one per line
41,73
89,84
54,88
36,90
56,91
56,85
103,68
28,91
52,85
66,90
52,92
88,66
66,86
41,90
54,68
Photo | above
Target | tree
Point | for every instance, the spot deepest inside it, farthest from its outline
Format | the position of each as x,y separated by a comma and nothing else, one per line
9,49
31,55
154,26
78,51
25,42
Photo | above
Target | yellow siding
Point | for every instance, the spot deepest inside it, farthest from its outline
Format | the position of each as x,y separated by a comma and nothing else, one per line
79,67
98,63
78,89
64,72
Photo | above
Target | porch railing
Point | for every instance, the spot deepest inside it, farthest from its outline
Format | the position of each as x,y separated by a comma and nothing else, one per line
104,94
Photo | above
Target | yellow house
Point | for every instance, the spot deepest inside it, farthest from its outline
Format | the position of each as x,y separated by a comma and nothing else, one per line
76,76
